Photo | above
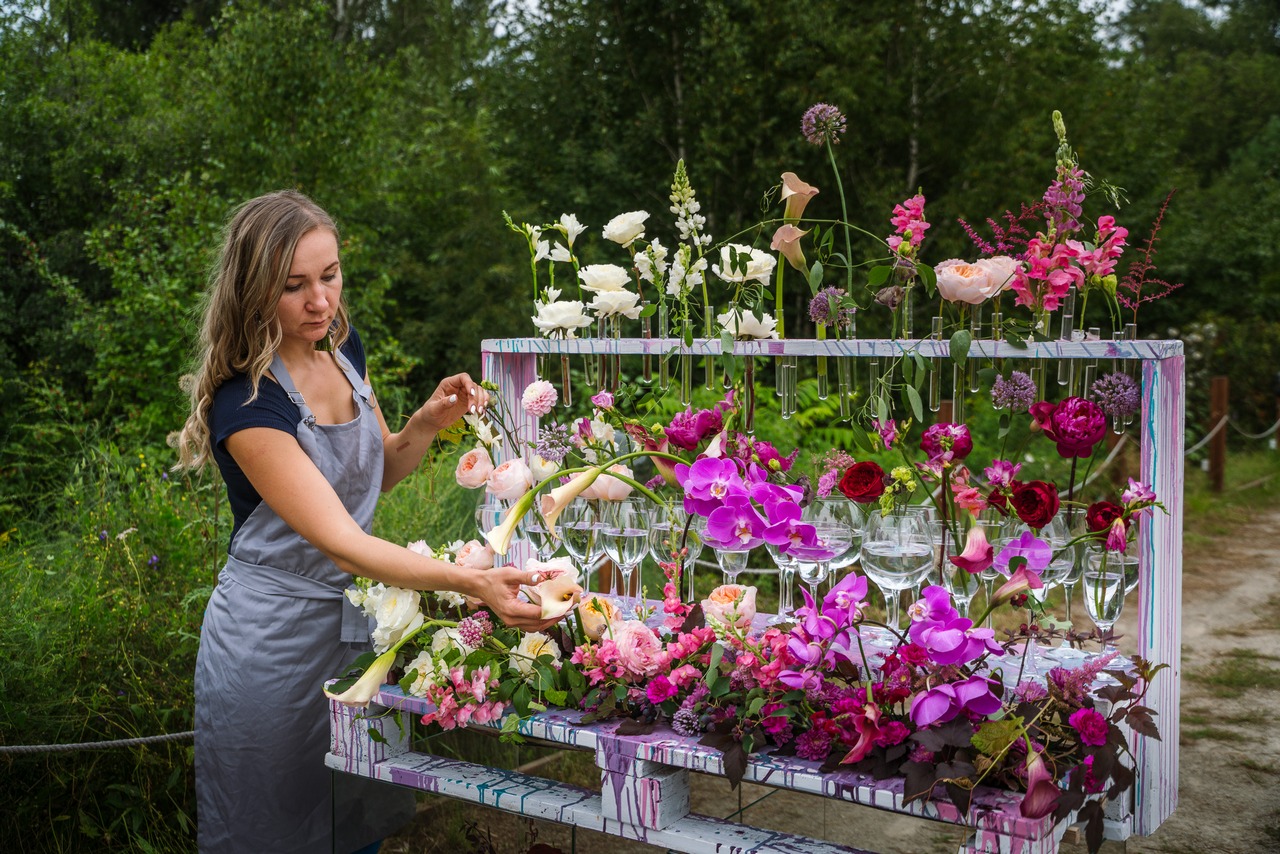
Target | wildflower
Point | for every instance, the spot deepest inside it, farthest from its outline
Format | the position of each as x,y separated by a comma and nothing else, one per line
554,443
153,560
102,536
685,722
1016,393
823,124
828,308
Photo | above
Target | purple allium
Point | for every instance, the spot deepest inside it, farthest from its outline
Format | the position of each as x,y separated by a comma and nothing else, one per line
825,308
474,629
1016,393
823,124
554,443
1117,395
685,723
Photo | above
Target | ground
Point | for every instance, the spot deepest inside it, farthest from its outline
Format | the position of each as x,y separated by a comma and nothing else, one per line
1229,785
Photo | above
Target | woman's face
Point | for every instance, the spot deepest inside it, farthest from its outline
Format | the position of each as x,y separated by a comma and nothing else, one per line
310,299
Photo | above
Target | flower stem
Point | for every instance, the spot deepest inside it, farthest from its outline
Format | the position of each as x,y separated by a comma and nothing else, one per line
844,213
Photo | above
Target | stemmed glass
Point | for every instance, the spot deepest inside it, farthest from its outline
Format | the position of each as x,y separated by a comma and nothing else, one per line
665,537
1104,584
897,553
489,513
839,511
959,582
813,563
579,529
625,535
534,529
732,556
786,575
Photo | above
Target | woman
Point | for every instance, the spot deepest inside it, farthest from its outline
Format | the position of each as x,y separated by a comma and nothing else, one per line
281,402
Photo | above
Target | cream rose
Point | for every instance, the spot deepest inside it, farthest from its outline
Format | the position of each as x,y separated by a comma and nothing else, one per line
759,263
626,228
597,615
509,480
561,317
426,674
542,469
742,324
397,615
639,650
611,303
960,281
608,488
532,646
731,605
1000,270
473,469
603,278
474,555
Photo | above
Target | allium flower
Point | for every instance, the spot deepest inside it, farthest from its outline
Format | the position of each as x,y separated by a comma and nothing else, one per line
474,629
554,443
823,124
685,723
826,308
1016,393
1117,395
539,398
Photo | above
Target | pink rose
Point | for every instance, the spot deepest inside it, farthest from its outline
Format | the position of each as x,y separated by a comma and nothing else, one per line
1000,271
539,398
610,488
639,650
960,281
473,555
731,604
509,480
473,469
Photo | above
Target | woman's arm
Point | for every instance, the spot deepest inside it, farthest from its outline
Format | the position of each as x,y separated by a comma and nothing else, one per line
297,491
403,451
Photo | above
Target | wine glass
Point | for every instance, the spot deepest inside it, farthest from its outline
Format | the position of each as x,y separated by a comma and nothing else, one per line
842,512
959,582
489,513
786,575
625,535
672,532
813,562
1103,582
534,528
732,555
579,530
897,552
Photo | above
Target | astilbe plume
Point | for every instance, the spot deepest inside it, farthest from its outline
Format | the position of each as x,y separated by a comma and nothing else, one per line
1011,238
1139,286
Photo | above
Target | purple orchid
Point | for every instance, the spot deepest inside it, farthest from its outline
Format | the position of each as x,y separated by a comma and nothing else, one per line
846,602
707,483
948,638
1037,553
735,524
974,696
785,530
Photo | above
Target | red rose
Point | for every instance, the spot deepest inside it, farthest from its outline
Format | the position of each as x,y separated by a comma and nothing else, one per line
863,482
1101,514
1035,502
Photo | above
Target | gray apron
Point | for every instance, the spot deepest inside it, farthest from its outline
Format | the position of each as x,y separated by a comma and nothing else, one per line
276,627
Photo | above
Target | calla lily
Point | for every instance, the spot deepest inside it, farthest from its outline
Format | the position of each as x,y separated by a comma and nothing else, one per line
796,195
368,685
499,538
1021,581
787,241
554,502
1042,794
978,553
557,594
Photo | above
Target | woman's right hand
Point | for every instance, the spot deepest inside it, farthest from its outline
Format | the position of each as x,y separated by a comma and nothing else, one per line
499,588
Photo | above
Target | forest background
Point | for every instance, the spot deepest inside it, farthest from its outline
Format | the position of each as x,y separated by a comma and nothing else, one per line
128,130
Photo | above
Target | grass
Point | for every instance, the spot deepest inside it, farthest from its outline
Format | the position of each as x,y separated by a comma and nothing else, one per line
1240,670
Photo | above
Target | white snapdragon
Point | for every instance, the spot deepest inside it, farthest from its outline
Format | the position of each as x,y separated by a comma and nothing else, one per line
651,264
686,274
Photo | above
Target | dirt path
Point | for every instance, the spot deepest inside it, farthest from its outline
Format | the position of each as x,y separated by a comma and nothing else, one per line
1229,787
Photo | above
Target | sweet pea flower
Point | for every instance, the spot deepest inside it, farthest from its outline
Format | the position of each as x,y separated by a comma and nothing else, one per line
572,228
1117,536
731,605
796,195
687,429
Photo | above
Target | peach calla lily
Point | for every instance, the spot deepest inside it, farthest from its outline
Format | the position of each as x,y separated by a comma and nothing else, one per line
796,195
787,241
554,502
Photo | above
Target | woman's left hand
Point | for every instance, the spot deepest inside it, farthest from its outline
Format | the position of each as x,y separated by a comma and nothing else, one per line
454,397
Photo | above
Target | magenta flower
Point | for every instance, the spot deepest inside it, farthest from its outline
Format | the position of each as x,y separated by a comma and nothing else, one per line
846,602
1020,582
660,689
978,553
689,428
888,431
866,722
946,442
974,696
1002,473
1042,794
1074,424
1035,551
603,400
1091,726
1138,495
785,530
735,524
946,637
1117,536
707,483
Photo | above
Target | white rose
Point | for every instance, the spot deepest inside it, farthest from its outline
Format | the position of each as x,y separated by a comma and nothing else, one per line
397,615
603,277
446,639
373,598
542,469
626,228
562,317
742,324
509,480
760,264
426,674
609,303
531,646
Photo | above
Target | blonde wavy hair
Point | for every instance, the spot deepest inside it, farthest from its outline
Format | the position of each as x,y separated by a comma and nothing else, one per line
240,331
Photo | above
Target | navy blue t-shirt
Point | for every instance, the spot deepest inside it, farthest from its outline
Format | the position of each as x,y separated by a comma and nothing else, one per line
272,408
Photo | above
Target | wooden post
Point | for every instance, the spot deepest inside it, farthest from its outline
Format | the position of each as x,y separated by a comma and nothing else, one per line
944,413
1218,394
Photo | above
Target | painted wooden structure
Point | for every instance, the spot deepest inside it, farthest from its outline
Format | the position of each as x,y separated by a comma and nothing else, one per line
645,778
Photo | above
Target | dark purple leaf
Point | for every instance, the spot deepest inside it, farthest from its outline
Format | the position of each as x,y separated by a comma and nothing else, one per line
735,764
920,780
634,727
693,620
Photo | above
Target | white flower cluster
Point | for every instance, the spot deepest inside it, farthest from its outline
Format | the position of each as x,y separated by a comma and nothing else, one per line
683,204
397,611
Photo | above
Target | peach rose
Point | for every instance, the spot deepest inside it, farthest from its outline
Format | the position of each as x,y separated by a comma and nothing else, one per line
731,604
608,488
639,650
960,281
597,615
509,480
473,555
473,469
1000,270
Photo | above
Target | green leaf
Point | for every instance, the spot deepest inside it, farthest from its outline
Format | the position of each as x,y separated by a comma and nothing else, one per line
960,342
815,277
994,737
1015,340
917,407
877,276
756,705
649,310
928,278
377,736
713,668
557,698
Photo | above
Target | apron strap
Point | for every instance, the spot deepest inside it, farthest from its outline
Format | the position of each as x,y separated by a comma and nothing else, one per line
281,373
361,387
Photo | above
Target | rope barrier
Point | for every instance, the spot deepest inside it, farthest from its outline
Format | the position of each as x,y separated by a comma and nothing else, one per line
1264,434
96,745
1198,445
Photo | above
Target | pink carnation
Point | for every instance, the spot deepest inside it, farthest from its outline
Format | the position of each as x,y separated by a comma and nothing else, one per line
539,398
660,690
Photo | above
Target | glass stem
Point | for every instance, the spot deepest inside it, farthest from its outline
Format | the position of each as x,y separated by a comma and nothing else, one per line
1068,321
935,376
749,390
566,383
646,333
975,332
